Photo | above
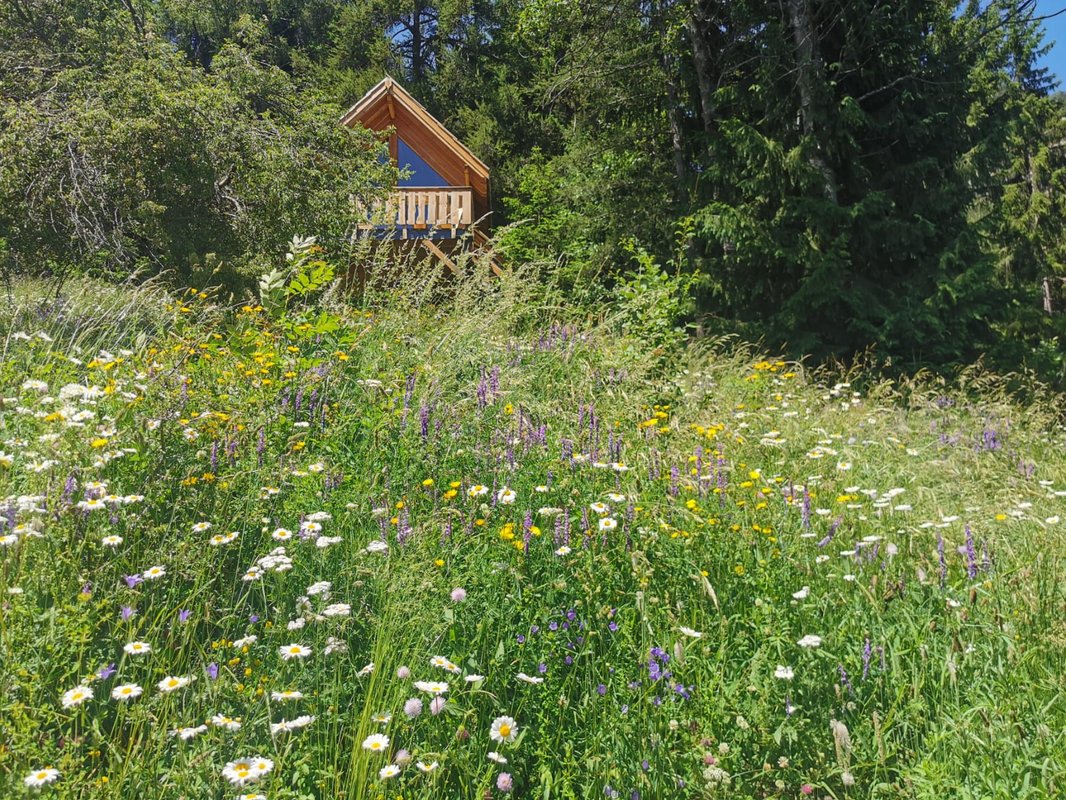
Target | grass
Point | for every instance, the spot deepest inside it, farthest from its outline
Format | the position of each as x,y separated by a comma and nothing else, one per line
914,529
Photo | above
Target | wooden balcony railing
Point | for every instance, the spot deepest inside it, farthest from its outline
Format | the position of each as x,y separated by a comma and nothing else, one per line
423,207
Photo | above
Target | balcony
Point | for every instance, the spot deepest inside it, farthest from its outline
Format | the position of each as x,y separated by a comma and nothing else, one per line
418,209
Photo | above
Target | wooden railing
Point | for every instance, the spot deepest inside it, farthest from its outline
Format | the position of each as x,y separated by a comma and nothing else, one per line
424,207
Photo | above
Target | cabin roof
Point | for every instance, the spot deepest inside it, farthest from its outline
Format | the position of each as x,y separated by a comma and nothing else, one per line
381,99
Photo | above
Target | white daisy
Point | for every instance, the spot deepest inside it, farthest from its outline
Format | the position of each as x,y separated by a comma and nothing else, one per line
173,683
376,743
77,696
126,691
291,651
503,730
41,777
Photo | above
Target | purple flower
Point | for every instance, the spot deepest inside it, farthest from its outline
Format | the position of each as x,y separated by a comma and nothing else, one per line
504,782
106,672
254,618
133,580
971,555
127,612
542,667
183,615
601,690
521,639
943,561
212,670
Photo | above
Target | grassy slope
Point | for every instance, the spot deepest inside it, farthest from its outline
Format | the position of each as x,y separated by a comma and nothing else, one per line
959,692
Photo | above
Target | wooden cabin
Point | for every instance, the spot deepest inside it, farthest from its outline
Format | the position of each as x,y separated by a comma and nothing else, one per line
444,192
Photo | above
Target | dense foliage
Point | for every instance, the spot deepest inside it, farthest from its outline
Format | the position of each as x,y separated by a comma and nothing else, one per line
840,174
480,549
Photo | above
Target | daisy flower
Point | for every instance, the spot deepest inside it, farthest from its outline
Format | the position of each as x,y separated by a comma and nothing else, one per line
477,490
246,770
376,743
173,683
245,641
188,733
432,687
229,723
285,726
41,777
291,651
388,771
200,527
608,524
443,663
427,768
563,551
112,541
287,694
152,573
690,632
474,678
137,648
529,678
223,538
497,757
599,508
503,730
126,691
77,696
506,496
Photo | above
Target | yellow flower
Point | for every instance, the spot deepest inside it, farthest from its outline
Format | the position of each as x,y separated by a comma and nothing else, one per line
427,482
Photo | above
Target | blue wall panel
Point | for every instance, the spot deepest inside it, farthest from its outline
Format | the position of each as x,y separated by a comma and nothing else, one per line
421,173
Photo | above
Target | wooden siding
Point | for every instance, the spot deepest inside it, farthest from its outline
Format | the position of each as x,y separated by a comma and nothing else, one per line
388,106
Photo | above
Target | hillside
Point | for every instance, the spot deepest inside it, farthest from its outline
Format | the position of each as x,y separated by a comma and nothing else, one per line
496,545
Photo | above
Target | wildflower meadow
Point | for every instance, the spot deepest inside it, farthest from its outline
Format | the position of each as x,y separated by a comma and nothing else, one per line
494,545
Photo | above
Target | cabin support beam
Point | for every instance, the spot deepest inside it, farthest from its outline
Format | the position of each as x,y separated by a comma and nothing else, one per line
440,254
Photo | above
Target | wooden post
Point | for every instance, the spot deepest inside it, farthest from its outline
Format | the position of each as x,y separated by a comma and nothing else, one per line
441,255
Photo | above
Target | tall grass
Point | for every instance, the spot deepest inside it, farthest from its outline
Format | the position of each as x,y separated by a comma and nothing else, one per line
925,524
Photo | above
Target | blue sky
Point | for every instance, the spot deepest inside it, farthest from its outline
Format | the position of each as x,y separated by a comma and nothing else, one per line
1055,30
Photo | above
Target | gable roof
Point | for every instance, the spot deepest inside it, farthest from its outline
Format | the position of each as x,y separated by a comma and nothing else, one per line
381,99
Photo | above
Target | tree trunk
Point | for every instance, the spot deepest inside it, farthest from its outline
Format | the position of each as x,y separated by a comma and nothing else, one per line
701,59
808,64
417,65
673,110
